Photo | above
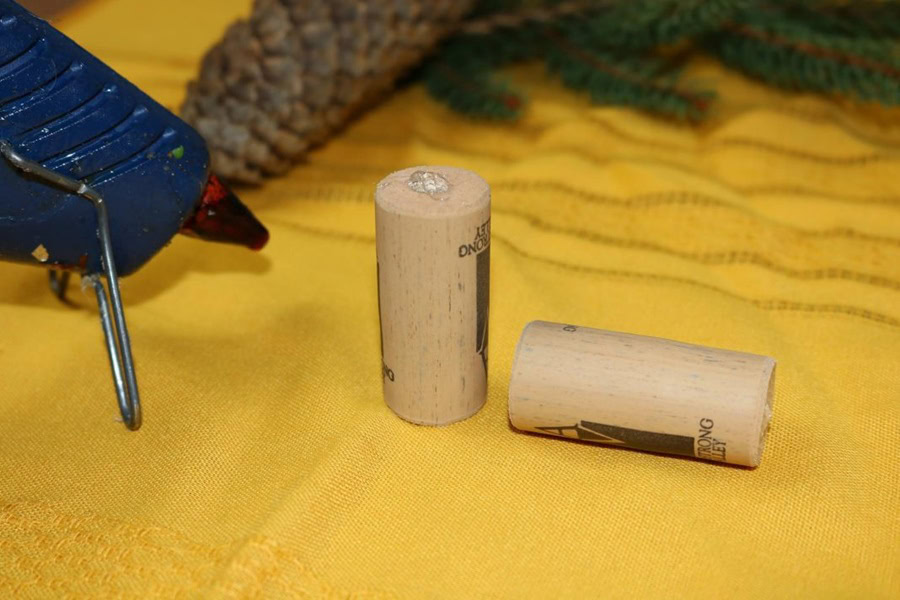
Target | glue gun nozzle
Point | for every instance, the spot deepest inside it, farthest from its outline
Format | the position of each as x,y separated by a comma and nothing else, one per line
221,217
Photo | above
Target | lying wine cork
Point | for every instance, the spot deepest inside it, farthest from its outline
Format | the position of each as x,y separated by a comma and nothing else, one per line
433,243
641,392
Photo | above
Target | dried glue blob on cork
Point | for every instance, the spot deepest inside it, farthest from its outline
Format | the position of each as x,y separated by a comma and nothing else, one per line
426,182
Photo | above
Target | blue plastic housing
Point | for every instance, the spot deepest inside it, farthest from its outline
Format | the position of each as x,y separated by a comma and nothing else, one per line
62,107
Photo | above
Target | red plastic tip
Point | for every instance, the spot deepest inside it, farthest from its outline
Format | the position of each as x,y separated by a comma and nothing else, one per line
221,217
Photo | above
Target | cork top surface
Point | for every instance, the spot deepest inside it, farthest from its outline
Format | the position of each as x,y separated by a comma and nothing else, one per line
432,191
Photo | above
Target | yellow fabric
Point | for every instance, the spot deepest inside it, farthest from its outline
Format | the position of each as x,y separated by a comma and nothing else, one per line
269,466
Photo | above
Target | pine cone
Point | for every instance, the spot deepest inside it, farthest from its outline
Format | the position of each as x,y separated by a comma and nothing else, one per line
297,70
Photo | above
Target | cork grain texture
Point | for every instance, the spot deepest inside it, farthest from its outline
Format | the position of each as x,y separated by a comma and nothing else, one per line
641,392
269,465
432,239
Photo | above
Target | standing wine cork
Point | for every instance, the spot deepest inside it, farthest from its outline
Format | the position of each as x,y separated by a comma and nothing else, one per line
432,239
641,392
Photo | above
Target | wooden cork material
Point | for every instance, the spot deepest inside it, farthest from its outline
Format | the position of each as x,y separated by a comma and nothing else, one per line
433,237
641,392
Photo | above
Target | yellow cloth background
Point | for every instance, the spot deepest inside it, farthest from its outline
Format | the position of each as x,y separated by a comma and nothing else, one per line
269,466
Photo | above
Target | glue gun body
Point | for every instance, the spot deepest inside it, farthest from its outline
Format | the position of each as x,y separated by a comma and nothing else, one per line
64,109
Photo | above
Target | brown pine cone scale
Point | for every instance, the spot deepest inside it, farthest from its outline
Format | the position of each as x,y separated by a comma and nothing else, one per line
297,70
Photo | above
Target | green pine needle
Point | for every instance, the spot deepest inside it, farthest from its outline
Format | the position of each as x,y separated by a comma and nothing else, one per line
610,80
476,94
793,55
616,50
634,26
861,20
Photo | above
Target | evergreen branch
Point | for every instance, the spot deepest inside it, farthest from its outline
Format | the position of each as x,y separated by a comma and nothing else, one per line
459,75
861,19
810,49
477,95
792,55
608,82
644,24
528,16
497,49
629,51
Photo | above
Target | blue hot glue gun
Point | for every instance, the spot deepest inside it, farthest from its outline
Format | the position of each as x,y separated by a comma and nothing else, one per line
96,177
